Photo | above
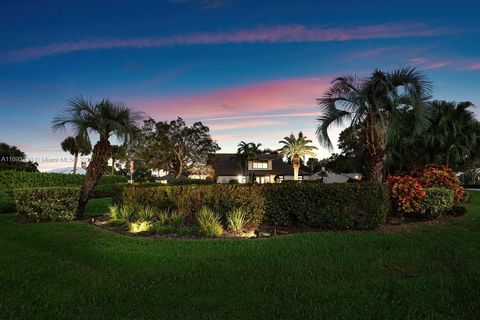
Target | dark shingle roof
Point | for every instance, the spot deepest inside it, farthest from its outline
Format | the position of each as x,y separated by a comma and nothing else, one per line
225,164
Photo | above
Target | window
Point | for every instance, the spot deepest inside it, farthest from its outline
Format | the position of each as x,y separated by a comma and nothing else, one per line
260,164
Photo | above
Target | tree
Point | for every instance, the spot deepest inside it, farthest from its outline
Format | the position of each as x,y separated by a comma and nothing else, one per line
106,118
296,149
373,104
247,151
12,158
175,147
75,146
118,153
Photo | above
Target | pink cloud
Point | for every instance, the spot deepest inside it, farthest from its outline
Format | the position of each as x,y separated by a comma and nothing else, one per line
273,34
264,97
243,125
473,66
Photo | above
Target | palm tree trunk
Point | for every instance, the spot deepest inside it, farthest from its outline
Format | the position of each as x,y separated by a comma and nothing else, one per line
296,167
75,160
95,170
374,144
447,159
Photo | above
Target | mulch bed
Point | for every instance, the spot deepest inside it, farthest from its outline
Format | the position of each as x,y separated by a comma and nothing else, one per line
392,225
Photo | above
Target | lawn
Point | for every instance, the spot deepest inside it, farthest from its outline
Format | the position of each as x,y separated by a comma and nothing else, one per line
74,270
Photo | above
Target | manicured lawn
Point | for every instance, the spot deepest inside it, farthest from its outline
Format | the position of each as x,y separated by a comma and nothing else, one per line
74,270
97,207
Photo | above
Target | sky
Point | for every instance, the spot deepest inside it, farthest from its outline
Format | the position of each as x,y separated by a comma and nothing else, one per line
250,70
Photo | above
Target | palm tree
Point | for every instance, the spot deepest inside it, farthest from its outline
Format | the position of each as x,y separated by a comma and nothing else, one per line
106,118
118,153
77,145
247,151
296,149
454,131
373,104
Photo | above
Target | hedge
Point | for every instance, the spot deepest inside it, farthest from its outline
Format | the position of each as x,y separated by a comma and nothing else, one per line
437,201
47,204
190,198
10,180
342,206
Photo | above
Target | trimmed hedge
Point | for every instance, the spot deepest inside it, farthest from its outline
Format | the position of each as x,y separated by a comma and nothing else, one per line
342,206
437,201
190,198
47,204
10,180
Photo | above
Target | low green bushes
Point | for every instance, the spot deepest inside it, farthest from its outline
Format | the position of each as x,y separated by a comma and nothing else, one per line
10,180
106,190
437,201
209,223
222,198
342,206
47,204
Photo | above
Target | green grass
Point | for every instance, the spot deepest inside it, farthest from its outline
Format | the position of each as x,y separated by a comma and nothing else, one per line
97,206
77,271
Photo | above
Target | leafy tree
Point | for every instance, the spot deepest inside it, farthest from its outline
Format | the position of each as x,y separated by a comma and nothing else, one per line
75,146
106,118
118,153
296,149
174,146
373,104
12,158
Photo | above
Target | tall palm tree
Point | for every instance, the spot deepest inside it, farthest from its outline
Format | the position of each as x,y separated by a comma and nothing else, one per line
78,145
296,149
118,153
106,118
373,103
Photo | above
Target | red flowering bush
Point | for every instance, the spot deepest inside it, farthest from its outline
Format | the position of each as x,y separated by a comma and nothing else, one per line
406,193
441,176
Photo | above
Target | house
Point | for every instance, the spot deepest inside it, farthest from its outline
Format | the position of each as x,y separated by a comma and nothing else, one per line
265,168
331,177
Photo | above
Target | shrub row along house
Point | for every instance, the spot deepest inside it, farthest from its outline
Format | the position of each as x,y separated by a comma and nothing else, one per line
263,168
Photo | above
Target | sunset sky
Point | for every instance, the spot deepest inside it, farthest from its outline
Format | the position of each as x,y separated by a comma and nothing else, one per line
250,70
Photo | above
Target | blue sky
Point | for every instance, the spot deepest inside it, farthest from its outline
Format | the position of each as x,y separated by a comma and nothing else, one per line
251,70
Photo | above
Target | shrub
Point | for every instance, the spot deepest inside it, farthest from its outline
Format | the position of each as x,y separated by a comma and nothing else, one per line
140,226
457,211
44,204
126,213
340,206
222,198
406,194
361,206
182,182
236,220
163,217
146,214
209,223
437,201
105,190
441,176
114,212
177,218
10,180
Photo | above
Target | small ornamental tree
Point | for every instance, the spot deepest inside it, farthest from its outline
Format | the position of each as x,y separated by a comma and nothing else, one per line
406,193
